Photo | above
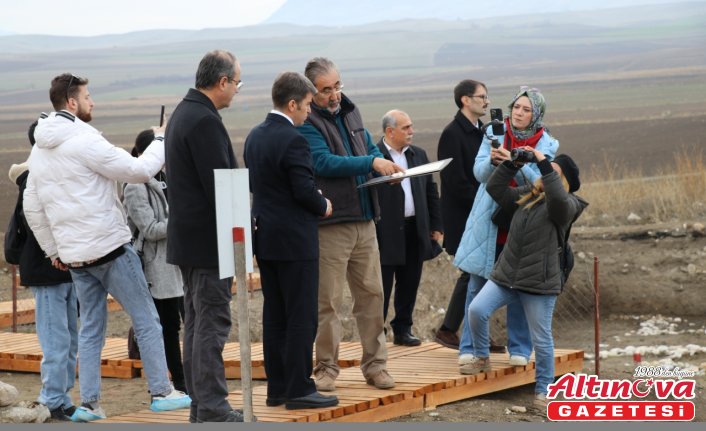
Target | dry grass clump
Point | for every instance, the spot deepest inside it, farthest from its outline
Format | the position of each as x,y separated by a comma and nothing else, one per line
676,192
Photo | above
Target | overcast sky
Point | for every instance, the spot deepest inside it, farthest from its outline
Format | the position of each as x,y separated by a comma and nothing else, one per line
91,18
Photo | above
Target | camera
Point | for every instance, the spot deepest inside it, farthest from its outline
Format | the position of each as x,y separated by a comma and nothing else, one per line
522,156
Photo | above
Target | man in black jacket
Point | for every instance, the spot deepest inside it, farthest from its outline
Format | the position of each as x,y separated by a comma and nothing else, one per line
56,312
410,224
196,143
286,209
460,140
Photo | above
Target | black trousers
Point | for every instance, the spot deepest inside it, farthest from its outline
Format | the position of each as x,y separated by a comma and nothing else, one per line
171,313
406,279
206,327
455,311
289,320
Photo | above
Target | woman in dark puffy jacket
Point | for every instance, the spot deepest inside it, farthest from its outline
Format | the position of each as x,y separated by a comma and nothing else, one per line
528,270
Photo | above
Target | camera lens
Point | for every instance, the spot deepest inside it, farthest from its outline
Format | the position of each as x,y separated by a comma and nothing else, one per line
521,156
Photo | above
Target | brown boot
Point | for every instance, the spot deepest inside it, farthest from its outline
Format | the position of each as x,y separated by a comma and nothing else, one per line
447,338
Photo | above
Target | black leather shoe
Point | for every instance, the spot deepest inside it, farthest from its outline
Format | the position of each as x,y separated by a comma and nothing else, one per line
407,339
232,416
312,401
275,401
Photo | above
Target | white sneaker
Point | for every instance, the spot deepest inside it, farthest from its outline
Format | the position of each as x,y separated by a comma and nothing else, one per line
518,361
174,400
465,358
85,413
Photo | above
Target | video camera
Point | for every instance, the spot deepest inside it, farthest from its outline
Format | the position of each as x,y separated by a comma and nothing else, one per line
496,122
522,156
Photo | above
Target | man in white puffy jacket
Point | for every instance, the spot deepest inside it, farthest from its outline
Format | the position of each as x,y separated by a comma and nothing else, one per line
72,207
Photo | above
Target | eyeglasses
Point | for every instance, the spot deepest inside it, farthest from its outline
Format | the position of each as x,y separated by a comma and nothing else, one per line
71,81
328,91
238,84
483,97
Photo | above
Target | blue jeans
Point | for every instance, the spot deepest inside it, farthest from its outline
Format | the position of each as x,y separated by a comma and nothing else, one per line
57,329
123,278
538,309
519,342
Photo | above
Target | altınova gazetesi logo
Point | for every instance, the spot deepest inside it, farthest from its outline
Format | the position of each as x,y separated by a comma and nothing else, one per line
589,398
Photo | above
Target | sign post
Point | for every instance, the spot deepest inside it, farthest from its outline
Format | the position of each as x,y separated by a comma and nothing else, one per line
235,259
241,299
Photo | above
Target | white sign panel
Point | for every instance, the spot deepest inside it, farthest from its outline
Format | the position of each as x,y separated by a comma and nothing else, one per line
232,210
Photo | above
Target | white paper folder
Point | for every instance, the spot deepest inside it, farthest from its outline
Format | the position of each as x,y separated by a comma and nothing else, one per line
416,171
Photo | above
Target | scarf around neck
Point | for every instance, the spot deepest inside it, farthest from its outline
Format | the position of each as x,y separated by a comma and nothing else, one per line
538,107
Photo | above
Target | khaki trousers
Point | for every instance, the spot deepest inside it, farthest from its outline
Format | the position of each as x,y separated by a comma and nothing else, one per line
349,251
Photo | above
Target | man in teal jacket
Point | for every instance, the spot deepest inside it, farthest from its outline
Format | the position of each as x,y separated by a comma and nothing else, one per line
344,157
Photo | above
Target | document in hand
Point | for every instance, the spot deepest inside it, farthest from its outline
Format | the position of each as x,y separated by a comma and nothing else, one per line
416,171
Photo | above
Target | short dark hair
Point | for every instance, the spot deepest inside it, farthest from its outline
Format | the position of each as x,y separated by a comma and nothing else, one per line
64,87
213,66
466,88
143,140
291,86
318,66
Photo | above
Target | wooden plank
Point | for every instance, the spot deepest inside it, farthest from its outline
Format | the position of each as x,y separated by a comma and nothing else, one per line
446,396
26,313
21,352
382,413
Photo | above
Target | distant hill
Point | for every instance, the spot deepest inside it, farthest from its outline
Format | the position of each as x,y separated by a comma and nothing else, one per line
390,55
419,17
346,13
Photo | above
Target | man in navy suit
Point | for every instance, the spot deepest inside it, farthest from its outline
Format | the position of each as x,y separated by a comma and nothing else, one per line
410,226
286,209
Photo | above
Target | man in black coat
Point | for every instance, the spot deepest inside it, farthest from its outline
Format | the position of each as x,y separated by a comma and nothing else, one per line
196,143
460,140
410,225
286,210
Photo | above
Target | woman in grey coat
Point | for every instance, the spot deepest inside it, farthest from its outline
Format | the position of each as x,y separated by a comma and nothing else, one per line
529,271
148,212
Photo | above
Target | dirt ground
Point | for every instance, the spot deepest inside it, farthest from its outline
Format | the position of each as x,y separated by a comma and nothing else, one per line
652,282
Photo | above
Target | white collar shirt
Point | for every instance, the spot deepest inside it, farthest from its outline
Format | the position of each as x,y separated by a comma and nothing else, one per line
399,158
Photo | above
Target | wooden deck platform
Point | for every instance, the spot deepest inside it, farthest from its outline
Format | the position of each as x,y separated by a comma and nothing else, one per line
425,378
349,356
25,307
25,311
21,352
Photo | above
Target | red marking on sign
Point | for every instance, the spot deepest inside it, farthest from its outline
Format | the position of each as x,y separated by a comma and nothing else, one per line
238,234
